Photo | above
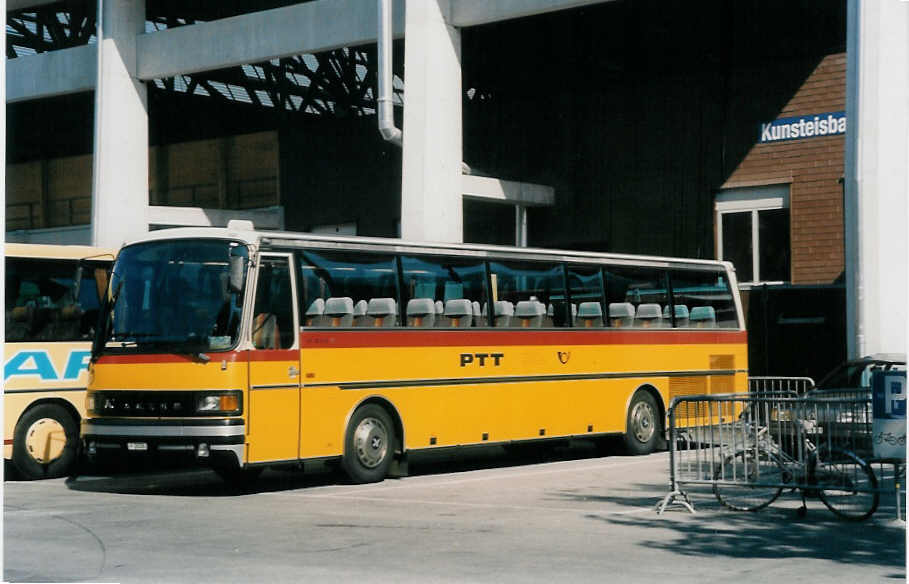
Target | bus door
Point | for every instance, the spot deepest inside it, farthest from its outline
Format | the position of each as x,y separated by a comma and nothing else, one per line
273,411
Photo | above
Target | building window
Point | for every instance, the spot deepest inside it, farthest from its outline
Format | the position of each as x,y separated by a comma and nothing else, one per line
753,232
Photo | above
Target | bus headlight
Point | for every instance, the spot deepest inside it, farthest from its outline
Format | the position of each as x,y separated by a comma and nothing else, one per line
225,402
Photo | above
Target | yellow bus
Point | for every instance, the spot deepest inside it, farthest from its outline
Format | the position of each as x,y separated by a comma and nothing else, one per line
52,301
242,349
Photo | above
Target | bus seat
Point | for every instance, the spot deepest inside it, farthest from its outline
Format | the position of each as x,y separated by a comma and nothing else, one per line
19,322
339,311
530,313
265,331
441,320
359,313
477,317
548,318
421,312
383,311
460,312
681,315
648,316
621,314
591,314
702,317
61,323
315,312
504,312
22,313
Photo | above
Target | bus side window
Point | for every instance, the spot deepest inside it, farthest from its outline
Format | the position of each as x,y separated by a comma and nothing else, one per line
532,287
340,276
40,301
706,299
636,296
455,289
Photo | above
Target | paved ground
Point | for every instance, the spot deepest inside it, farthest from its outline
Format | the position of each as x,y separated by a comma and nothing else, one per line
483,517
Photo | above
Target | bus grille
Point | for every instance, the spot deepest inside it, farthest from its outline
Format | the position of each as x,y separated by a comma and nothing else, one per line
139,404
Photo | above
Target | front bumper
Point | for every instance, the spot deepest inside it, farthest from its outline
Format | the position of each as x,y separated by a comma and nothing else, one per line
220,442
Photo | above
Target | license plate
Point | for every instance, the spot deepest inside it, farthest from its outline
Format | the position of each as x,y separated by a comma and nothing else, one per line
136,446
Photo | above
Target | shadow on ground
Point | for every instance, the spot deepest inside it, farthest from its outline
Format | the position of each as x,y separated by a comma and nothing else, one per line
776,533
180,481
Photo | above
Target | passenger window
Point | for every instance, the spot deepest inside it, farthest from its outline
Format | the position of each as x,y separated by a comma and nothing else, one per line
703,299
444,292
355,289
535,289
636,297
273,316
585,287
44,304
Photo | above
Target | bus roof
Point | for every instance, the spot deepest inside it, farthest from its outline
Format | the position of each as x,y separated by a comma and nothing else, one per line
286,239
51,251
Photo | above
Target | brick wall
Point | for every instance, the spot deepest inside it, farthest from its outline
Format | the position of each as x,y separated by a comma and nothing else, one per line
813,167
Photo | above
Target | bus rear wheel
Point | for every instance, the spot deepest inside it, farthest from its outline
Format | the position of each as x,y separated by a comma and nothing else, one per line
368,444
642,428
46,442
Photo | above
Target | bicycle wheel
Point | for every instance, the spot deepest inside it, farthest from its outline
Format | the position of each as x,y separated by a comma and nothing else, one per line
749,480
846,484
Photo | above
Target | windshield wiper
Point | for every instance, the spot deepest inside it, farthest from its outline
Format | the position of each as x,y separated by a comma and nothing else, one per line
192,343
132,335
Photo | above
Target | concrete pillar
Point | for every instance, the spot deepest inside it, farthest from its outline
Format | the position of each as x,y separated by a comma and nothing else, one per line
120,170
877,175
431,208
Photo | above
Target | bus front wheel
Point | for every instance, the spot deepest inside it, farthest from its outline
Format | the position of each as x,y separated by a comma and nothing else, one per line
368,444
46,442
642,428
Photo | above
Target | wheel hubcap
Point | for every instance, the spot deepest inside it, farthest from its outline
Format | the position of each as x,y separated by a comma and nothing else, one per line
371,442
45,440
642,421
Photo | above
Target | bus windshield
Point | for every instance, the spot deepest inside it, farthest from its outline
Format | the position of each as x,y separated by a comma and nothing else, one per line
174,296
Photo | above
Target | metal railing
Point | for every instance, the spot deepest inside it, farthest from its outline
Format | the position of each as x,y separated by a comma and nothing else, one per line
748,448
56,213
760,384
250,193
22,216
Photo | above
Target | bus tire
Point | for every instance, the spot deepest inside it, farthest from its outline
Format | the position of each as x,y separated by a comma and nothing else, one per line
642,426
369,444
46,442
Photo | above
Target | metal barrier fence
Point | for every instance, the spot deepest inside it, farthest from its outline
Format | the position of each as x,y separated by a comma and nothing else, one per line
799,385
750,447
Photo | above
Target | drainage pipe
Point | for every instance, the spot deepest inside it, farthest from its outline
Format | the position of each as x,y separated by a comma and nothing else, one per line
385,99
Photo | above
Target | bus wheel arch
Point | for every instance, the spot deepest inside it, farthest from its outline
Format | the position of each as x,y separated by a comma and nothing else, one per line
373,437
38,451
644,421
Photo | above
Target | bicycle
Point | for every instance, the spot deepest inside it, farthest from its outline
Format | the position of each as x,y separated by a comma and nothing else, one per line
754,476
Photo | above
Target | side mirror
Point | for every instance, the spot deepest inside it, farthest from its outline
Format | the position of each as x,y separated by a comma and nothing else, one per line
237,271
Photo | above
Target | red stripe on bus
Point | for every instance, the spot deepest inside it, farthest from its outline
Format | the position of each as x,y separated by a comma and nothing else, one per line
449,338
349,339
8,442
